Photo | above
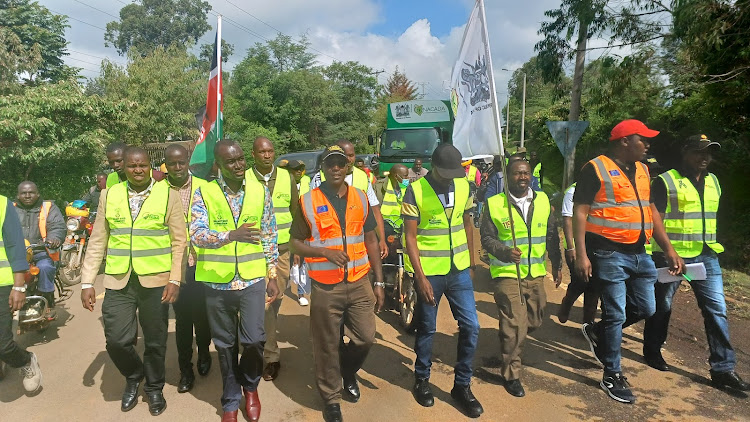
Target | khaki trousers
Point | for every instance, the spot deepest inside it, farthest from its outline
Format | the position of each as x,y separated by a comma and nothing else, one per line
517,320
335,310
271,352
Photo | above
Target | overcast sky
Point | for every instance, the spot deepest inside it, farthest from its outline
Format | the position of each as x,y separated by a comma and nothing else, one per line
421,37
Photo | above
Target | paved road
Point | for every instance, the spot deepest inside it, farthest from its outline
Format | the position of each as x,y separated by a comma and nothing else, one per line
561,379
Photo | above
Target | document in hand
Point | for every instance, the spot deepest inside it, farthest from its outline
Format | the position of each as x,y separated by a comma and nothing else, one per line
695,271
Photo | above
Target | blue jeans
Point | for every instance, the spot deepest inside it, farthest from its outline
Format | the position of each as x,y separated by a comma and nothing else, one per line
626,283
458,289
47,271
709,294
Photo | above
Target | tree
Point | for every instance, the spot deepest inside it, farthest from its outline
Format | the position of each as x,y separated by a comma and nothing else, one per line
207,51
399,87
163,90
152,23
37,32
54,135
15,60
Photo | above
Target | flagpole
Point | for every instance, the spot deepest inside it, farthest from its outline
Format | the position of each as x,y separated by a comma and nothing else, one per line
493,98
219,111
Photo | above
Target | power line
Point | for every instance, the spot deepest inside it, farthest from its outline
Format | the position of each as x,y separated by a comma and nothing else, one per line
77,20
97,57
97,9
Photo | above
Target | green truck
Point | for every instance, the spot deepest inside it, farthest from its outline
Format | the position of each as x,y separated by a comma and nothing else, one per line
413,130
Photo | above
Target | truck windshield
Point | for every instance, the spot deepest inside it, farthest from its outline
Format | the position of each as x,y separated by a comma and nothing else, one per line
409,142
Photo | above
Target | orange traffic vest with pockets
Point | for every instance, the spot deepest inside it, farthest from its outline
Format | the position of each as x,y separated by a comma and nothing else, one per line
620,210
326,232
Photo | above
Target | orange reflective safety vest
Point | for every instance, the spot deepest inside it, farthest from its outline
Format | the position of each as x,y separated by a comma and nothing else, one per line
620,210
43,214
326,232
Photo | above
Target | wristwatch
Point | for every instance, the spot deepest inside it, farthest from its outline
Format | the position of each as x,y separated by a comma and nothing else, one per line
21,289
379,284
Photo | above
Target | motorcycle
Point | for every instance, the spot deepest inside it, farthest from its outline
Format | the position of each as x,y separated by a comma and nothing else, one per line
400,292
80,222
35,314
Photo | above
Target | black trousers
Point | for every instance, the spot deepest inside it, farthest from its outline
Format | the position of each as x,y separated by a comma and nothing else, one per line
231,312
120,330
190,313
10,352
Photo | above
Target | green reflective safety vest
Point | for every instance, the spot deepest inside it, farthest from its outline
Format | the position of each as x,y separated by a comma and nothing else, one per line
685,214
304,185
282,198
391,206
220,265
359,179
437,238
537,170
145,242
532,241
195,183
6,273
112,179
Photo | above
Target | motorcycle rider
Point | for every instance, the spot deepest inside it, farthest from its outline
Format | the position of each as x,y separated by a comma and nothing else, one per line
41,221
13,267
390,191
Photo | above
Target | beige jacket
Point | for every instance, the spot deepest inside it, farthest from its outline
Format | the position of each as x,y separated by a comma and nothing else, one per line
97,247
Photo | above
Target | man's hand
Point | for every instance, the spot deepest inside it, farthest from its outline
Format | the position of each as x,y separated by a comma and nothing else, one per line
88,298
272,290
171,293
383,249
336,256
557,277
379,298
54,243
515,255
424,288
583,268
16,300
676,264
246,233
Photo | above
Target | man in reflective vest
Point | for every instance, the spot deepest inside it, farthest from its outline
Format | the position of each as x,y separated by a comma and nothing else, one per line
358,179
190,308
115,153
297,170
41,222
687,198
612,222
334,230
141,230
439,243
536,235
537,173
13,268
285,198
390,191
233,230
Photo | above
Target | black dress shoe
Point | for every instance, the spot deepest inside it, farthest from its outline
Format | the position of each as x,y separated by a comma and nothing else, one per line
204,364
729,380
130,395
187,381
470,405
332,413
156,403
351,390
423,393
514,388
271,371
656,361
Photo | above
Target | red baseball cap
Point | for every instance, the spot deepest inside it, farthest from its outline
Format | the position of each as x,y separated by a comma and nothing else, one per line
631,127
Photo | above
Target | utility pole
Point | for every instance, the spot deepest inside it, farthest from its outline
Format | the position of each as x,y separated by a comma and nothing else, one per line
575,97
507,118
422,84
523,110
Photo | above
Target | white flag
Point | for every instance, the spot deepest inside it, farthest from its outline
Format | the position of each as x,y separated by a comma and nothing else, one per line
476,131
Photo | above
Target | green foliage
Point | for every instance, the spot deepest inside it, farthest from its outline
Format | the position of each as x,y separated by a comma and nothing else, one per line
149,24
399,86
207,52
163,91
54,135
38,32
15,59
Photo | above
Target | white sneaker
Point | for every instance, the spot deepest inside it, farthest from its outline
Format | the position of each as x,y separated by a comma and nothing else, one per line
303,301
32,375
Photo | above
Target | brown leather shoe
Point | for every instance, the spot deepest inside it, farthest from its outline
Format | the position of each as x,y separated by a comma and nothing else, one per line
271,371
252,405
229,417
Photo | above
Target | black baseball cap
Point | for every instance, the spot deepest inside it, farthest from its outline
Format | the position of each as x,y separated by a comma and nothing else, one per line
334,150
446,162
699,142
295,164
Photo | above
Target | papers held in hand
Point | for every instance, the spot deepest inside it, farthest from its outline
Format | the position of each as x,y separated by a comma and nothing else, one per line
695,271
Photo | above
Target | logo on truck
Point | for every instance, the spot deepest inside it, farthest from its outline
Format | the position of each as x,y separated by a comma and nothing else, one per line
403,110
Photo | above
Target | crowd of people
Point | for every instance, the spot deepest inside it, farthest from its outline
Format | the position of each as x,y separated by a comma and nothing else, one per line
222,252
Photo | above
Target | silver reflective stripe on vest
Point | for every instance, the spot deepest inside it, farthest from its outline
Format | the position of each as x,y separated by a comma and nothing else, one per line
2,244
435,254
150,232
250,257
610,191
358,262
606,179
461,248
151,252
310,214
440,232
323,266
284,226
692,237
524,261
674,203
280,210
535,240
618,224
326,243
120,231
355,239
4,264
118,252
610,203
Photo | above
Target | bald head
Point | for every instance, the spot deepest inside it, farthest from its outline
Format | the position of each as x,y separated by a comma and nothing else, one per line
398,173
